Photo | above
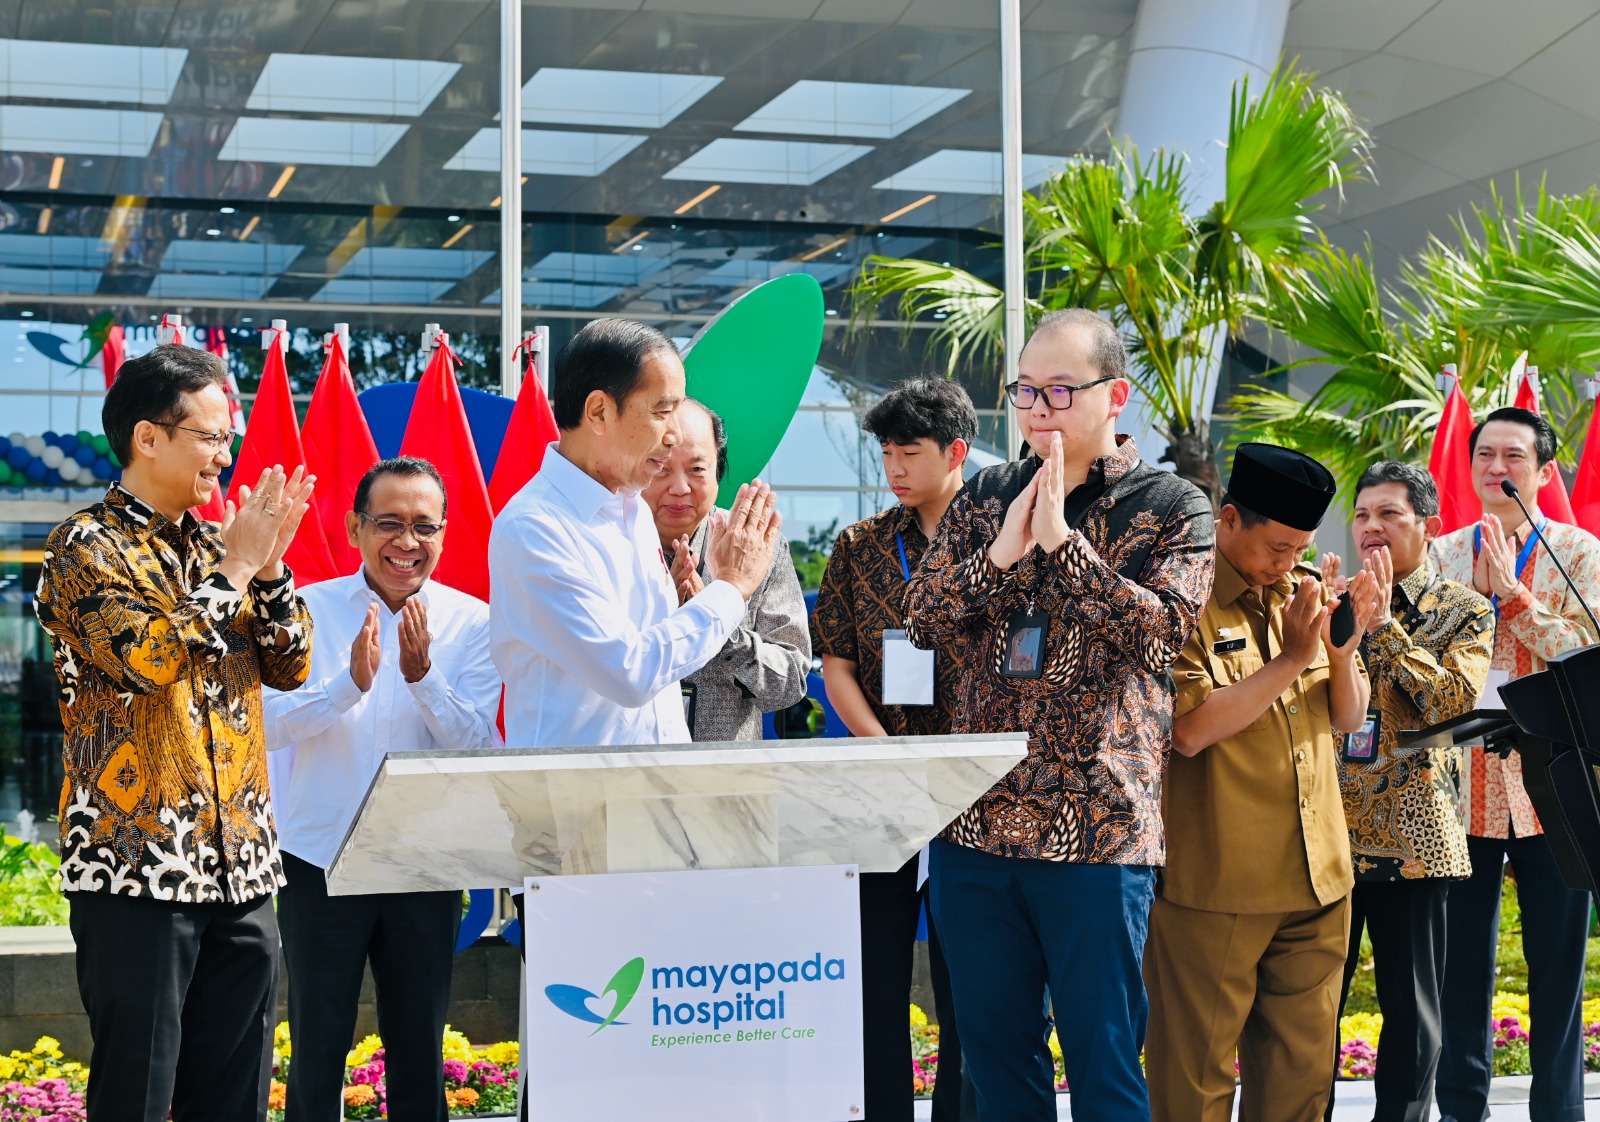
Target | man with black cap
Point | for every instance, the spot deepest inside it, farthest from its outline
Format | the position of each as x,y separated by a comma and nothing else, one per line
1248,930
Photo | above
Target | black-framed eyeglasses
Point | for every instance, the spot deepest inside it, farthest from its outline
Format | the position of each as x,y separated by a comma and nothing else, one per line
216,441
1056,397
393,527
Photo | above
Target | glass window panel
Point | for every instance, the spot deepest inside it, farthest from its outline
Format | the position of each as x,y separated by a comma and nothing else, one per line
617,98
792,162
284,140
958,171
548,152
399,87
866,109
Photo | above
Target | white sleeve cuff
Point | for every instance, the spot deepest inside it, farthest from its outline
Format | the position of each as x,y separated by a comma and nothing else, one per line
429,690
725,602
343,693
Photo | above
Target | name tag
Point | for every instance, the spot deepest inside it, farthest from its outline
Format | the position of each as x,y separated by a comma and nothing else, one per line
1226,646
907,671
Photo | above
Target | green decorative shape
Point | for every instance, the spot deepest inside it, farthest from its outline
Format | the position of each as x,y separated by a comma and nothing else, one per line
102,444
5,473
624,983
751,364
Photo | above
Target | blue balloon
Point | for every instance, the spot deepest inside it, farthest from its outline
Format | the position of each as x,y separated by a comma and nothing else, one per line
51,437
103,469
68,442
5,447
19,458
85,455
36,471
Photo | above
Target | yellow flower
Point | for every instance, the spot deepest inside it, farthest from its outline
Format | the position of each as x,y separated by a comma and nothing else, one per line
1055,1046
1361,1026
47,1046
52,1072
506,1053
363,1051
280,1040
457,1046
918,1017
1591,1010
1511,1005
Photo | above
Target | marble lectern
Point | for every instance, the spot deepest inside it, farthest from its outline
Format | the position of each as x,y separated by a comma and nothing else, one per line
489,818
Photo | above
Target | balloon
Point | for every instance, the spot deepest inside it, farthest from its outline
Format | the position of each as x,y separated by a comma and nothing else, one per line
102,444
103,468
52,456
85,455
751,364
19,457
67,443
85,436
49,436
35,444
5,473
5,447
36,471
69,471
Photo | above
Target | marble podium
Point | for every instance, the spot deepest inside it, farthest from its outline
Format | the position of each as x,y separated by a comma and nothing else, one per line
490,818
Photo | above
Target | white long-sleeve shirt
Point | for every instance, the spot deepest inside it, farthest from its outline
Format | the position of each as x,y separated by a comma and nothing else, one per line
587,631
326,740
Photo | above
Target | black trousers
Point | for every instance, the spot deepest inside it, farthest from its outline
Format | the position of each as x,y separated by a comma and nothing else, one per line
1406,921
410,939
1555,927
954,1099
180,1005
889,907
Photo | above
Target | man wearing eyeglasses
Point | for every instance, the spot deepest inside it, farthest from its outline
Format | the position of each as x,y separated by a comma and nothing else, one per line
404,666
1074,577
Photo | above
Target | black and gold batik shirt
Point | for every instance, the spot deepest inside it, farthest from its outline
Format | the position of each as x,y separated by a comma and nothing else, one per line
1428,664
160,662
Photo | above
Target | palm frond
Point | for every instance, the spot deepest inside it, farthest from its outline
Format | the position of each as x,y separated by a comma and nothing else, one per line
970,312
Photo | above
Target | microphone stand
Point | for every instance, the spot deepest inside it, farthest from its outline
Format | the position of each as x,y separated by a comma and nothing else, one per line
1510,490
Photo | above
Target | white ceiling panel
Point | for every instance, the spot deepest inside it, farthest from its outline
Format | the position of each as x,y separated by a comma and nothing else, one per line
372,87
614,98
861,109
217,255
64,251
354,290
69,130
548,151
284,140
49,282
790,162
961,171
89,71
192,286
593,268
415,263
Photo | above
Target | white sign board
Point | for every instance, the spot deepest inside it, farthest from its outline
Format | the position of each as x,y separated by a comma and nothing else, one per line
695,996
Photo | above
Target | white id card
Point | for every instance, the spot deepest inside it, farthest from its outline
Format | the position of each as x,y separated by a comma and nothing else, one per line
907,671
1491,690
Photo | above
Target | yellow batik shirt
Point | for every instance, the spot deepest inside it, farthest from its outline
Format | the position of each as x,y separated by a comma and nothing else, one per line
1427,665
160,662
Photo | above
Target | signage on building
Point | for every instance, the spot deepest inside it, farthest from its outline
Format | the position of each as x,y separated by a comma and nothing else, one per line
728,996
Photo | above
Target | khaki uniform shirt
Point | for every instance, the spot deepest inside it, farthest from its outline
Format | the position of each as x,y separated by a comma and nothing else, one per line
1255,824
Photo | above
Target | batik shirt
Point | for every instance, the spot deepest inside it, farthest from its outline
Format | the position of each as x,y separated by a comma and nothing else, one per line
1542,620
160,662
862,595
1122,595
1427,665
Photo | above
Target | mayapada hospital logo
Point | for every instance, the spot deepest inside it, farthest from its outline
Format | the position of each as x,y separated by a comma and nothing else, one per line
738,992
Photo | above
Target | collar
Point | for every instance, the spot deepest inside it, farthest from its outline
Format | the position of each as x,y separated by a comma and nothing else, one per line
582,491
903,519
359,591
1410,589
141,519
1228,585
1108,469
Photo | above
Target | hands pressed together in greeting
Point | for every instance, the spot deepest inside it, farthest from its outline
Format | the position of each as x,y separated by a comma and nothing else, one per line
1037,516
1494,573
1311,606
739,545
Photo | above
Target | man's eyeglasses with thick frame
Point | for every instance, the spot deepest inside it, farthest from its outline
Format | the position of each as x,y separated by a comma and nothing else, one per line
1023,396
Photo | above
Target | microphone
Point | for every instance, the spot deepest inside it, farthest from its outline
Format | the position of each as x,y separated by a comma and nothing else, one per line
1509,489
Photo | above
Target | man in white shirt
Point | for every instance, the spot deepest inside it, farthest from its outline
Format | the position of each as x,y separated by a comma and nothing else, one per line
402,664
586,626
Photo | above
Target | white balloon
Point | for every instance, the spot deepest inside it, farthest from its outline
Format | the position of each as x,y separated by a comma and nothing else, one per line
18,438
52,456
35,445
70,470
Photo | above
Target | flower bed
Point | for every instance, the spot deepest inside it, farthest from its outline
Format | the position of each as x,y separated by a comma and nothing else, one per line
40,1085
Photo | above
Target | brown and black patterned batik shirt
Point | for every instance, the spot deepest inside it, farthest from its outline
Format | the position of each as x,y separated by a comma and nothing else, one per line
1122,594
160,661
862,594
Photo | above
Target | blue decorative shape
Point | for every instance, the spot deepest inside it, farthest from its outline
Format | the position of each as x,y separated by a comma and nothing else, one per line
36,471
67,442
85,455
476,921
51,437
19,458
388,408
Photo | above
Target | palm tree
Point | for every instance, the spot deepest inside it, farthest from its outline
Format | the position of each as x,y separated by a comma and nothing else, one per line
1509,282
1117,235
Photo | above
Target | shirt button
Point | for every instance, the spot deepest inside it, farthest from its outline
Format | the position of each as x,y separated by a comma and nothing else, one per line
1301,756
1294,709
1305,802
1236,675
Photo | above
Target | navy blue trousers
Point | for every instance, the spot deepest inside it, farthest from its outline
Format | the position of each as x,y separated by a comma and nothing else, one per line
1011,928
1555,928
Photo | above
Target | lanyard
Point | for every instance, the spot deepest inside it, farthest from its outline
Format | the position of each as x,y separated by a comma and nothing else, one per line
1522,555
905,568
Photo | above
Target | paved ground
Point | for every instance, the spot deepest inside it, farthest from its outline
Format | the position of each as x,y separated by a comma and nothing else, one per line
1509,1097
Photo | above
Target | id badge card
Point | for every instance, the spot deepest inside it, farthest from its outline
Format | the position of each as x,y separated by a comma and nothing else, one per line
1361,746
689,692
1491,690
1023,656
907,671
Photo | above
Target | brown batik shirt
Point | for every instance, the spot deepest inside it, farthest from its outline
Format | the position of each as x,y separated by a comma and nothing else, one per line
1122,595
160,662
862,594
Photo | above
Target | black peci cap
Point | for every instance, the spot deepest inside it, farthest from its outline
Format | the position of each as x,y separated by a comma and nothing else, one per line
1281,484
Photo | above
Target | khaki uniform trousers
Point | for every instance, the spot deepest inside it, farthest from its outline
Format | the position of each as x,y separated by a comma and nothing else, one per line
1262,987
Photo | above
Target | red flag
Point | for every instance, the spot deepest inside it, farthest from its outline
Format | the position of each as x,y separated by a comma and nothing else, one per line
274,438
217,343
530,431
1586,488
1450,463
438,432
339,450
112,354
1553,500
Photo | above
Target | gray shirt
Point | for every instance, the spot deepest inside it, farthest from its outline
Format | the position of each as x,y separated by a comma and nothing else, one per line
763,666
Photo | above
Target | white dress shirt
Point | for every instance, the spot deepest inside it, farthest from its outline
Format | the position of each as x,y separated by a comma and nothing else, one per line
587,631
326,740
